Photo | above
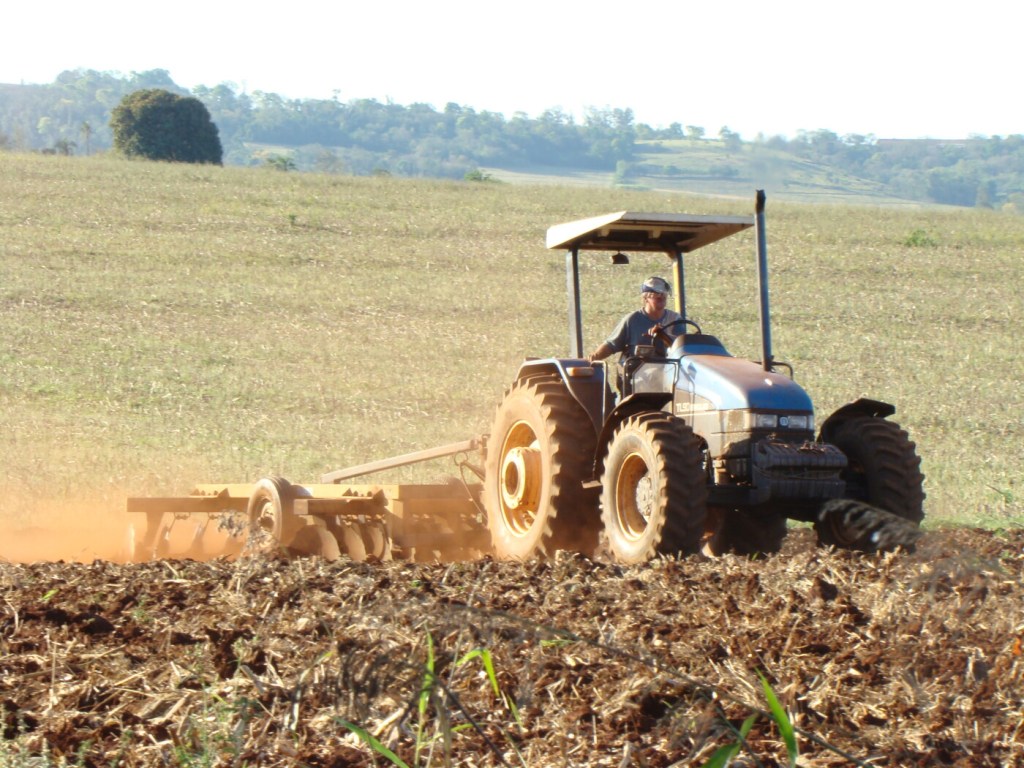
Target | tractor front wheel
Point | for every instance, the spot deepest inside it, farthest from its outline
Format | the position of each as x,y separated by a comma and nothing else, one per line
654,489
883,470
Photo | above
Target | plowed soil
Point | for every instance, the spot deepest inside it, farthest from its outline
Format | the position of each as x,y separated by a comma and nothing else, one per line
900,659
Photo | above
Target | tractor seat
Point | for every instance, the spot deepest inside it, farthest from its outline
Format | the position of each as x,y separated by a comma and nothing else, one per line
697,344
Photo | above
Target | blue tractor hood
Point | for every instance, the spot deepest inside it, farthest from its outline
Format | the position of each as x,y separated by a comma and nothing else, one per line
730,383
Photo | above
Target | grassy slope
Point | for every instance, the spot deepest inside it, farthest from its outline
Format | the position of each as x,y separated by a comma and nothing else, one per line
706,167
167,324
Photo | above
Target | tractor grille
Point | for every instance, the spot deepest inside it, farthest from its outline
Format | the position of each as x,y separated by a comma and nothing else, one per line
794,471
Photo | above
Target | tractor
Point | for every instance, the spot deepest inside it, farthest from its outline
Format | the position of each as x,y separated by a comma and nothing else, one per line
684,448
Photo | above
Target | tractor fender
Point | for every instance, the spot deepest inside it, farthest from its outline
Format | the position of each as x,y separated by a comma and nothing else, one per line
584,381
647,402
590,389
860,407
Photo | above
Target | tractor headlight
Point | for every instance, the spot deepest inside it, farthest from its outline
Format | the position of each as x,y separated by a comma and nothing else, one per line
801,421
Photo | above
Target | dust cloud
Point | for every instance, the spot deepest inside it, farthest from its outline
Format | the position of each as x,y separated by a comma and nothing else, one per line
60,530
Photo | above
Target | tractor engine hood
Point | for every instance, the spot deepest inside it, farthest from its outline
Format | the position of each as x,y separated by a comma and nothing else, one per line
730,383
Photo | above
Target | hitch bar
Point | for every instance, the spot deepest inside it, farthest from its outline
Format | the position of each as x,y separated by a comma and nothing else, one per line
401,461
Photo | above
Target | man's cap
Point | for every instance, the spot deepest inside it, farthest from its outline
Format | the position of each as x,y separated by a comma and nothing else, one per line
656,284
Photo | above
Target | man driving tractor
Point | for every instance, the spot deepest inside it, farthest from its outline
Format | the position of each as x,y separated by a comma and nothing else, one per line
635,328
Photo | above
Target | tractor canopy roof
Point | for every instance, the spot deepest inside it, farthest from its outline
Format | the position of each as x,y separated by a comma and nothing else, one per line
628,231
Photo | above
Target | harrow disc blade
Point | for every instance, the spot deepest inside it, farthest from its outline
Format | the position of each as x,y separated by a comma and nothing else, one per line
196,537
315,541
351,543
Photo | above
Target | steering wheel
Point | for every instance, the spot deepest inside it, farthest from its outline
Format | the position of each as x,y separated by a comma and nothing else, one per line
659,332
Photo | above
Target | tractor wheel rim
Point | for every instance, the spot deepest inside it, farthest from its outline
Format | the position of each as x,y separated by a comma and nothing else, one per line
634,496
520,478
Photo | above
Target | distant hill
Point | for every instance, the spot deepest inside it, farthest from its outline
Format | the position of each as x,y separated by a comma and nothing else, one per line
608,147
707,167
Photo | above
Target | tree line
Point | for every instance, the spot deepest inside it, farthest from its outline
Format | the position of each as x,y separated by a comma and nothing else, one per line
73,115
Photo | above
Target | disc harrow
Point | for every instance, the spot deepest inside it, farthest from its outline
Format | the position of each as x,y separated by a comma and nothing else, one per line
328,519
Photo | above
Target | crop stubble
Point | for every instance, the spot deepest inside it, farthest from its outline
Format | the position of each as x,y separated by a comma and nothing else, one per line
898,659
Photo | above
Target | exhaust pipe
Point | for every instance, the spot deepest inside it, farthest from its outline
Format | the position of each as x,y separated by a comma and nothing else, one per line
762,282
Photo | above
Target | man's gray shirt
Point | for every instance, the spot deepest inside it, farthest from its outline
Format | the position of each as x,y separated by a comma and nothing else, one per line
632,330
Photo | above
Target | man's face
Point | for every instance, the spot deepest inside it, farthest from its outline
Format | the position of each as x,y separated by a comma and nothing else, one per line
654,303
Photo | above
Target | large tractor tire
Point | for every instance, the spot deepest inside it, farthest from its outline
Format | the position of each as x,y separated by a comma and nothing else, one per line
539,452
654,489
852,524
883,471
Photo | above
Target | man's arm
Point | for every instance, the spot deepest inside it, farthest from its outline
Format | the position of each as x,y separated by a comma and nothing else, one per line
601,352
614,343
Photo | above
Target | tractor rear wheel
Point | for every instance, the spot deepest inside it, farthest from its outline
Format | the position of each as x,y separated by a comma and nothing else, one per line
654,489
883,471
539,453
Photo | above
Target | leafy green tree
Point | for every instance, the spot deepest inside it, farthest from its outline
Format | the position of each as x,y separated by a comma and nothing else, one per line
1014,202
731,139
280,162
986,194
952,186
86,130
232,114
160,125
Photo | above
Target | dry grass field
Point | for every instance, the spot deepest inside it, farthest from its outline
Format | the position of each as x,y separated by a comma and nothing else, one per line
166,324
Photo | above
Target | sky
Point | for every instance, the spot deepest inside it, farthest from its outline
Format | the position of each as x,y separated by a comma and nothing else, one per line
894,69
